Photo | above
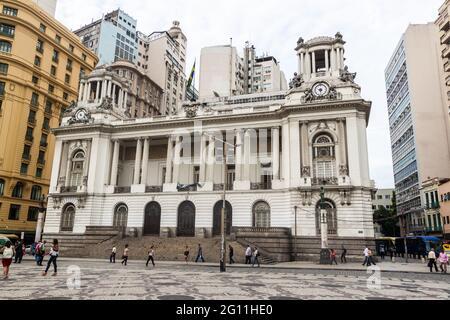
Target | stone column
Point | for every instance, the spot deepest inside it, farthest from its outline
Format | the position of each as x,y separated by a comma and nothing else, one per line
285,153
203,152
145,161
108,90
104,84
247,152
294,152
88,92
113,93
177,160
302,62
305,144
211,160
342,58
68,170
333,60
342,142
137,162
120,103
313,63
115,163
85,91
97,91
276,153
169,162
327,62
125,93
238,156
80,93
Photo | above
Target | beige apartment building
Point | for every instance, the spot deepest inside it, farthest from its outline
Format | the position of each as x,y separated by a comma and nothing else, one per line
444,198
40,66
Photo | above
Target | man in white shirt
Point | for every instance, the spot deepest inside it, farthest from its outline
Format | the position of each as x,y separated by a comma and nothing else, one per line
366,256
248,255
112,258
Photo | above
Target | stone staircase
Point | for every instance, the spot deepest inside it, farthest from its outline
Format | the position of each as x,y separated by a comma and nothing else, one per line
76,245
166,249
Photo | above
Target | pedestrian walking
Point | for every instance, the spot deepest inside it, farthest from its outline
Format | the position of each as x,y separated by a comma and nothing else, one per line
248,255
382,251
186,254
432,261
112,257
151,254
54,253
366,257
256,257
18,252
231,253
392,253
371,261
333,256
344,255
40,252
7,257
199,254
443,261
125,255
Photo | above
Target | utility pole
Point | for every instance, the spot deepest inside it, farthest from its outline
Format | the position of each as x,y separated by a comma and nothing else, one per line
295,240
405,240
41,218
223,258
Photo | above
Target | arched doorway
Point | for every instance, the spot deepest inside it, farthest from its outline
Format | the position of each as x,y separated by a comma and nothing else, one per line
152,219
331,217
186,219
261,215
120,216
217,218
68,218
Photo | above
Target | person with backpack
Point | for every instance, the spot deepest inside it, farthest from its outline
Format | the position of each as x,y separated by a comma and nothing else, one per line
7,257
54,254
151,254
40,252
255,257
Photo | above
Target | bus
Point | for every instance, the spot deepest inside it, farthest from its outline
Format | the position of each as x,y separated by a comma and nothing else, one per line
418,246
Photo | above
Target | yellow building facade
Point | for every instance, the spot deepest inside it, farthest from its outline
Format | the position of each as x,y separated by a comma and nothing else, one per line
40,66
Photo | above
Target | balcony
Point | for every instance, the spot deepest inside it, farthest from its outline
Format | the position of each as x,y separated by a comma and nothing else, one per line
153,189
55,59
445,39
32,121
41,162
69,189
40,50
120,190
7,34
261,186
29,138
69,68
219,187
433,229
43,144
26,157
446,52
329,181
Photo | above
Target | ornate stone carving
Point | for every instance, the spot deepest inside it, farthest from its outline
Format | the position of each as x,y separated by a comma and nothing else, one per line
339,36
191,111
300,41
106,104
296,82
347,76
70,108
56,203
309,97
81,202
81,116
343,170
307,198
306,172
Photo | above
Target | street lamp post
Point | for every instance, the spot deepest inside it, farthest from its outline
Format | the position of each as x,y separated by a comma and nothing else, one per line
40,222
295,232
324,252
223,258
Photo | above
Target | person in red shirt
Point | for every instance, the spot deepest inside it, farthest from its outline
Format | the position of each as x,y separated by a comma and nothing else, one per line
333,256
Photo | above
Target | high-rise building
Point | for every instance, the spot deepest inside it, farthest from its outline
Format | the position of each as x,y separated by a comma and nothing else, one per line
48,5
418,119
223,72
167,65
40,66
111,38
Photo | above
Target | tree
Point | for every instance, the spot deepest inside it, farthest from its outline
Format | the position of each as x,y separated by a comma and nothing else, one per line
388,219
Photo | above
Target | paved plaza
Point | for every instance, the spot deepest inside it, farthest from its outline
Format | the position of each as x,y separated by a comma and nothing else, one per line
80,279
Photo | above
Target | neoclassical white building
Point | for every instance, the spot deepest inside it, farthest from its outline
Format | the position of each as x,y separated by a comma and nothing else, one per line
113,170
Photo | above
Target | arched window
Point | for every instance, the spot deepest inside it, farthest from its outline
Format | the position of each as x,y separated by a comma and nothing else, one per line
68,217
261,215
120,216
36,192
18,190
2,186
330,207
5,46
76,176
324,157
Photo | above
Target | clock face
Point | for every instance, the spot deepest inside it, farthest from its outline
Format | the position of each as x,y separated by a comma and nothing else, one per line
81,114
320,89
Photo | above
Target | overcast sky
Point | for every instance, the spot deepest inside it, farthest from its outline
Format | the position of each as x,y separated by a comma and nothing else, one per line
372,29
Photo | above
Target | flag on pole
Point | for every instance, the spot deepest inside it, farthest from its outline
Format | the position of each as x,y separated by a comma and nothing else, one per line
191,77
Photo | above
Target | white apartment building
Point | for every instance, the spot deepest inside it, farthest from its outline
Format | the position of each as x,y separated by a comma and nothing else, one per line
48,5
224,73
166,52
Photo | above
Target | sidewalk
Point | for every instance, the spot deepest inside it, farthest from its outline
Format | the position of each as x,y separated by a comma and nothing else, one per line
401,267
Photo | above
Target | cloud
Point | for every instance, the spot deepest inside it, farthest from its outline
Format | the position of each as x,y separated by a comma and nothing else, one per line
372,29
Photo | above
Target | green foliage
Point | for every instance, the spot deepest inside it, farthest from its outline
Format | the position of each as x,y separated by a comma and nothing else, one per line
388,219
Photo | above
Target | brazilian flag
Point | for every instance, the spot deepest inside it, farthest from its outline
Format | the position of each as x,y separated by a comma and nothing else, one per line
191,77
